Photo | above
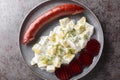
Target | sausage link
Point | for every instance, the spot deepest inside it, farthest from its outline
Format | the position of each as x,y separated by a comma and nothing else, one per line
40,21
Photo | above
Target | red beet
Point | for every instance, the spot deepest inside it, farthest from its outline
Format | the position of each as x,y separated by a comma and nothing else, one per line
93,47
86,58
62,73
74,67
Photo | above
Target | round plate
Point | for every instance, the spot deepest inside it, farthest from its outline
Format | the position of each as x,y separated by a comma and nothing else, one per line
28,54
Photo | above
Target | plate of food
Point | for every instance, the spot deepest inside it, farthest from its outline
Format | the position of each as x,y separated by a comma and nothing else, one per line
61,40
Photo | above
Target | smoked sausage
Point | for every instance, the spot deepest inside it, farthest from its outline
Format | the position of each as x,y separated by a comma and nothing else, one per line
40,21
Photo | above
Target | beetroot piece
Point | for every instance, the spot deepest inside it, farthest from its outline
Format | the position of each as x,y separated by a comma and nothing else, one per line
93,47
85,58
62,73
74,67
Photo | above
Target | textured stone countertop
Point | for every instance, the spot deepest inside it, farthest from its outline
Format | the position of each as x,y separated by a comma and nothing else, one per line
12,65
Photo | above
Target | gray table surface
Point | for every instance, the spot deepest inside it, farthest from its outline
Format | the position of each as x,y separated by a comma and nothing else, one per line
12,65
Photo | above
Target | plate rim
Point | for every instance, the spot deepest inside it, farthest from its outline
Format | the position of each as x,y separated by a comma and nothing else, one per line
35,7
